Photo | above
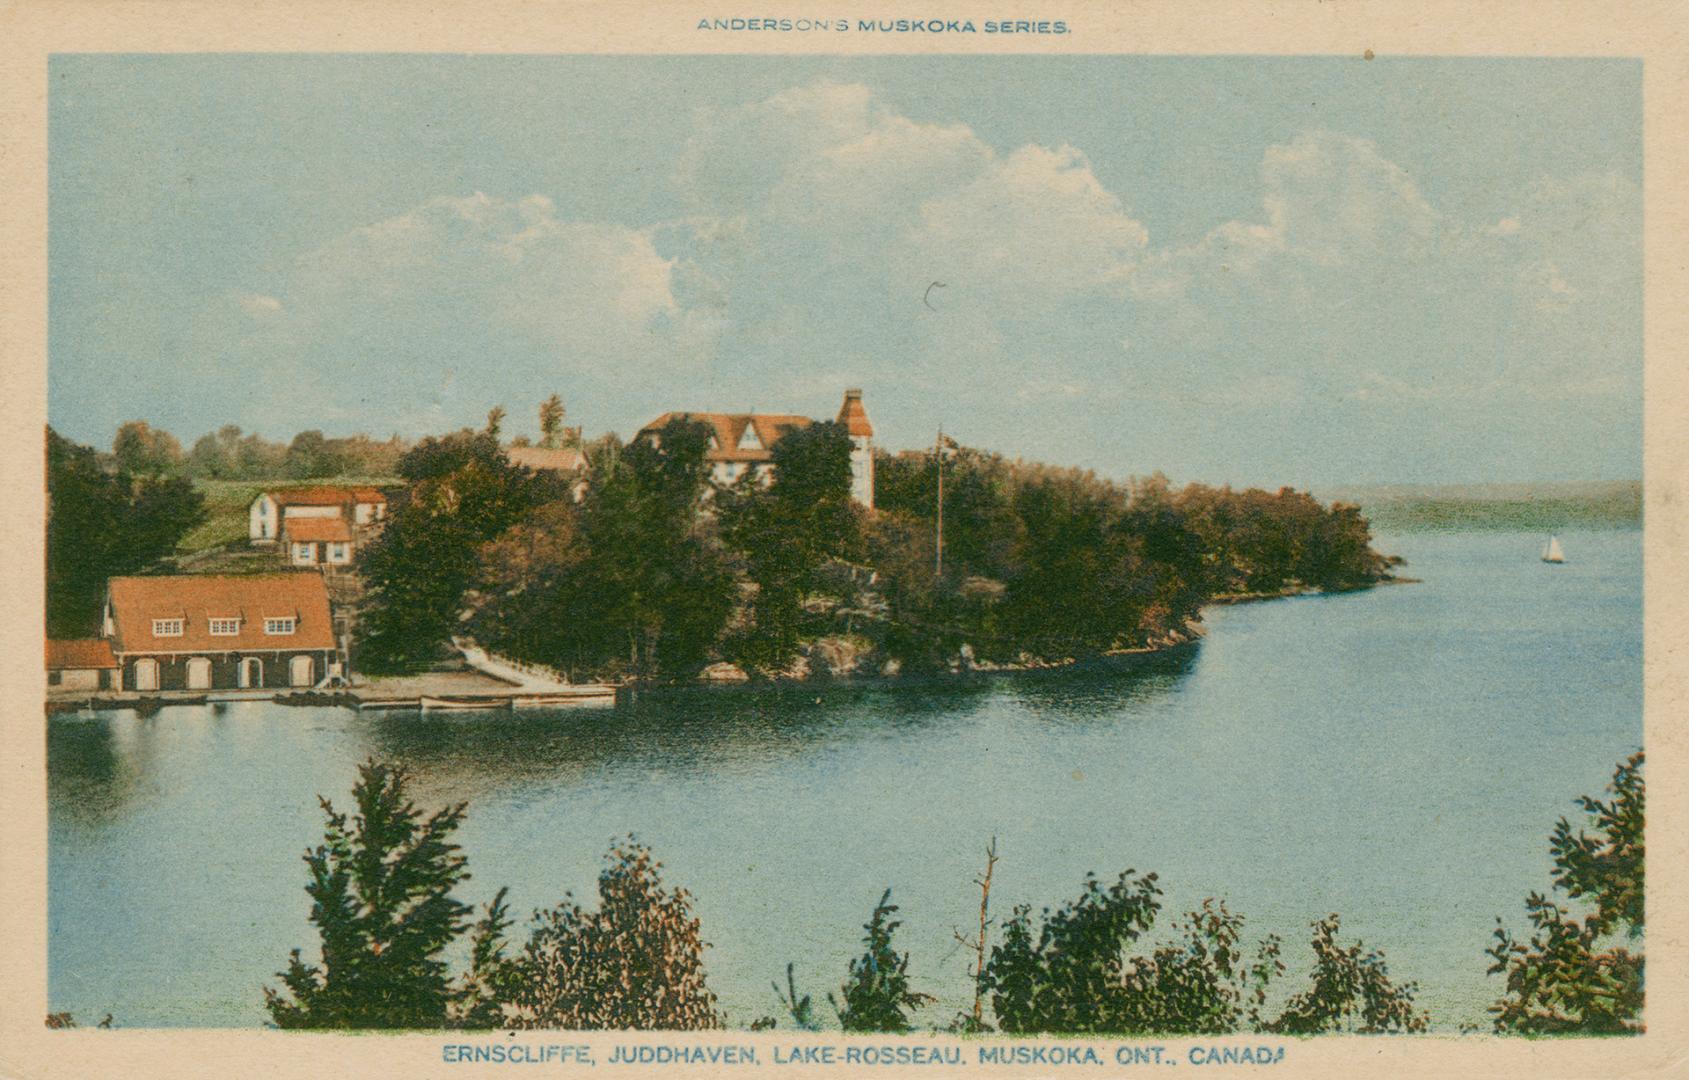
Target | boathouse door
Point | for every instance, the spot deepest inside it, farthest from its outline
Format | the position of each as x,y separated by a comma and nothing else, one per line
300,671
199,673
251,672
146,674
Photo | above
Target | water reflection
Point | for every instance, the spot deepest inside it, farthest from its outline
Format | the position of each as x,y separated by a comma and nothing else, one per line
96,768
1110,691
662,733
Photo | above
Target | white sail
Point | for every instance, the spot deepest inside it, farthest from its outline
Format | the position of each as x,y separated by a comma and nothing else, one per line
1553,553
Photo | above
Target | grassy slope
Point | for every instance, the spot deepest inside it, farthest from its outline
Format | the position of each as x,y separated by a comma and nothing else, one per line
226,502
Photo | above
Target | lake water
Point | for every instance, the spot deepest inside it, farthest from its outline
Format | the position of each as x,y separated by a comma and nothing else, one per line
1397,756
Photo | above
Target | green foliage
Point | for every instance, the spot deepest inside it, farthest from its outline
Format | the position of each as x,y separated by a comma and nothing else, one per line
1351,992
493,978
786,533
1058,562
229,454
877,996
551,422
636,962
1075,974
142,450
800,1009
100,525
1206,984
381,901
1570,977
1070,977
463,493
638,585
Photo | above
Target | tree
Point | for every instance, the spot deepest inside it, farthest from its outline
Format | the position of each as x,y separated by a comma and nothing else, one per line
1571,977
312,456
142,450
787,531
636,962
1350,991
380,887
1069,978
463,493
647,591
495,420
877,996
1204,985
100,526
551,422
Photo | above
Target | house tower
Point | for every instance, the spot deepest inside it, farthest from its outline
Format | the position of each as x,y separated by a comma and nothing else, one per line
855,420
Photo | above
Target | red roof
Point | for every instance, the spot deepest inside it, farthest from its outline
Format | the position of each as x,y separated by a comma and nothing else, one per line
565,459
79,653
853,416
311,530
197,598
730,428
321,495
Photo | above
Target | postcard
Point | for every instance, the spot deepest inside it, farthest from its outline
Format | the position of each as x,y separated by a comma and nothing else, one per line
816,541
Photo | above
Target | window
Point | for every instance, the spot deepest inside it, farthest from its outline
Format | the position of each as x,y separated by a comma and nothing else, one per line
225,627
167,628
337,553
279,626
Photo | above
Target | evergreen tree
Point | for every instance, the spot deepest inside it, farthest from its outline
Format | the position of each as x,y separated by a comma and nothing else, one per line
380,887
877,996
551,422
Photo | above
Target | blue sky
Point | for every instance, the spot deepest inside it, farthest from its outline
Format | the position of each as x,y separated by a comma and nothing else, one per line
1311,271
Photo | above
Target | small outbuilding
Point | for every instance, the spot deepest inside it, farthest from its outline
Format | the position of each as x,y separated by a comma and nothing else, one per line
80,664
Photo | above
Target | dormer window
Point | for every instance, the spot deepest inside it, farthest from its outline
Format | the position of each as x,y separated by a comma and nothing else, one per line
225,627
280,626
749,440
167,628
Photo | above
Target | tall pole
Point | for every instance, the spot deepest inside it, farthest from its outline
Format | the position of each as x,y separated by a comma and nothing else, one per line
938,452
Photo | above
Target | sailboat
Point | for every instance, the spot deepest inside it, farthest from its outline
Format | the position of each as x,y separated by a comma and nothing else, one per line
1551,552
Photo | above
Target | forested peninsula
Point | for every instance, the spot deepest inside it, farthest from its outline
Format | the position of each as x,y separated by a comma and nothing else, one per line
648,571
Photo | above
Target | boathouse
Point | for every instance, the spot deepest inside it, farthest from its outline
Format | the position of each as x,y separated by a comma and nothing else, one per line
220,632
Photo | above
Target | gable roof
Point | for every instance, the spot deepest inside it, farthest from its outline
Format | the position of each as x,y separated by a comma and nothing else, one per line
769,428
323,495
311,530
198,598
79,653
563,459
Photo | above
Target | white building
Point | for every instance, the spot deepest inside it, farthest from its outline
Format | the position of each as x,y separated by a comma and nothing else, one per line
742,443
317,526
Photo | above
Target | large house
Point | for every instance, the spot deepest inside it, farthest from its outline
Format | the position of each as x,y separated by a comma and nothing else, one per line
743,443
316,526
216,632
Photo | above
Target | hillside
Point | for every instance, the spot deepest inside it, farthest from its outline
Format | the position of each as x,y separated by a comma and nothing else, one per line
226,503
1531,507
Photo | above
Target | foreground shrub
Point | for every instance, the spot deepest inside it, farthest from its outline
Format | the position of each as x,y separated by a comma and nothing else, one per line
636,962
1572,977
1075,974
877,996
